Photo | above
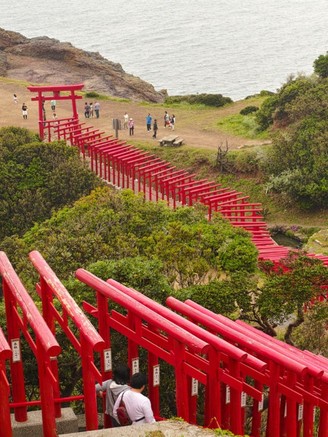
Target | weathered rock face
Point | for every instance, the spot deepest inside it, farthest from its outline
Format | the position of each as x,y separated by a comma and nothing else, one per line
49,61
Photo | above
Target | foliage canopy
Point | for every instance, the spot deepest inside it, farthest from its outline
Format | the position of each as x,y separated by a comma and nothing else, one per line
37,178
295,165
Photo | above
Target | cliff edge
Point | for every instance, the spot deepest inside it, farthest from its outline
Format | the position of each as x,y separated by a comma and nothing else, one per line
44,60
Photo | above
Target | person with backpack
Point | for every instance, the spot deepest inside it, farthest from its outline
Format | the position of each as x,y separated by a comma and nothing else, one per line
137,406
113,388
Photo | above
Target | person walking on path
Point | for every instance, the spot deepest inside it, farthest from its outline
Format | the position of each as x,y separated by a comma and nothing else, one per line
112,389
172,122
86,110
131,127
91,110
166,119
24,111
97,109
53,105
137,405
125,121
155,128
15,98
148,122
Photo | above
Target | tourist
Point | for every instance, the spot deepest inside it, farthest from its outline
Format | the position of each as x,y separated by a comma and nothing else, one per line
24,111
137,405
166,119
148,122
131,127
172,122
113,388
91,110
125,121
53,105
86,110
155,128
15,98
97,109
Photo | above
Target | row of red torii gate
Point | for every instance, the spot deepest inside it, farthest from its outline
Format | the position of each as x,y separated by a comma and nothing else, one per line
251,382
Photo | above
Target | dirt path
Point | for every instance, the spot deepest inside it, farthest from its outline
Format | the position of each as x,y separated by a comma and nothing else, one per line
196,127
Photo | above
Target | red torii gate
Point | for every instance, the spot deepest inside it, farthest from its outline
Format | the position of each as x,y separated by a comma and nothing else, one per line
55,91
88,342
44,346
180,347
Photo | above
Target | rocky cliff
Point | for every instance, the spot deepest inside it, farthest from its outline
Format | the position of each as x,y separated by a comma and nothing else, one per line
44,60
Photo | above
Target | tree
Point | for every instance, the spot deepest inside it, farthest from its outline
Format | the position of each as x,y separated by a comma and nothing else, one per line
37,178
297,162
275,109
313,334
320,66
287,289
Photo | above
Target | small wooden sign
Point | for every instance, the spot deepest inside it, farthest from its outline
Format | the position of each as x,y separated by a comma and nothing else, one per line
135,365
15,346
156,375
194,387
107,360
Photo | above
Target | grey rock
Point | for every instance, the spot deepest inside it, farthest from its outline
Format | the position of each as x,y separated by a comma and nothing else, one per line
49,61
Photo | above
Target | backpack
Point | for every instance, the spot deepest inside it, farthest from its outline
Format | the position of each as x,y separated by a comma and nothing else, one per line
122,414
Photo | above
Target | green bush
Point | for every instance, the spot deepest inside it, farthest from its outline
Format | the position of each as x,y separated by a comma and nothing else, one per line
249,110
92,95
275,110
321,66
37,178
242,162
216,100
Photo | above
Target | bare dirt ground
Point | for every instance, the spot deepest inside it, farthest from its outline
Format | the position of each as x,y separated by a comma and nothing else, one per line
196,127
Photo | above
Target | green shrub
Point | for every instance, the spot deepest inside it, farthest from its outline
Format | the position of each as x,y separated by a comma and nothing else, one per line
215,100
249,110
321,66
92,95
242,162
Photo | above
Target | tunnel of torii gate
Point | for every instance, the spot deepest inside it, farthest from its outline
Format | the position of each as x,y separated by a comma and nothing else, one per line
55,92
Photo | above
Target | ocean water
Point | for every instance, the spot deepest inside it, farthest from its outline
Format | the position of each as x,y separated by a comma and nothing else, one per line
231,47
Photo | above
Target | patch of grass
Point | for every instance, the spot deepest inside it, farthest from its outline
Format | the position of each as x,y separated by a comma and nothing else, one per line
182,157
243,126
95,95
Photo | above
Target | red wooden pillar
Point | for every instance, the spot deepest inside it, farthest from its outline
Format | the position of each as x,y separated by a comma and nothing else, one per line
154,380
74,106
90,399
181,379
46,393
46,298
323,423
273,422
5,353
236,425
17,371
256,416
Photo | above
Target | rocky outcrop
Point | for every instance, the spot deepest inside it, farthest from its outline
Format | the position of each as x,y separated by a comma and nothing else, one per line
49,61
